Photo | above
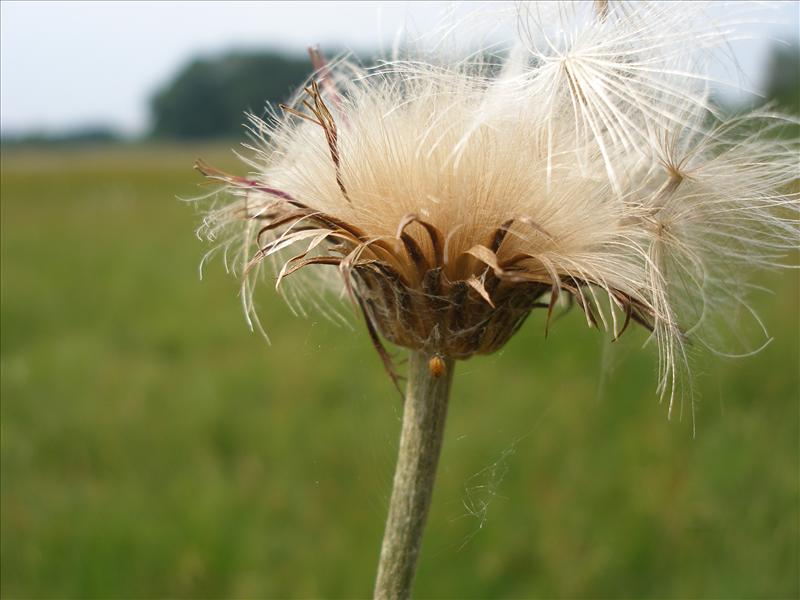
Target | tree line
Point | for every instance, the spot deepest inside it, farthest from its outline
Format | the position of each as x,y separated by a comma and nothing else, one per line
209,97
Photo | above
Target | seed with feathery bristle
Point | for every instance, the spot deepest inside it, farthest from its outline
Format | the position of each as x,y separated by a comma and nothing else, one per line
454,198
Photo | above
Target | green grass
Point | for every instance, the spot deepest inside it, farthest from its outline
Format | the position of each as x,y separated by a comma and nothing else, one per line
152,447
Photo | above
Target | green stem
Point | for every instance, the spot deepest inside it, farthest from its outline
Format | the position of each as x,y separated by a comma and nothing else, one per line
424,414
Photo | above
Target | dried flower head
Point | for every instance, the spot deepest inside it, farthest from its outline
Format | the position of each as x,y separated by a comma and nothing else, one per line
584,164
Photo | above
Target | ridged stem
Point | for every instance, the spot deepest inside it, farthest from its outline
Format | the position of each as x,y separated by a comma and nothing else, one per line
424,415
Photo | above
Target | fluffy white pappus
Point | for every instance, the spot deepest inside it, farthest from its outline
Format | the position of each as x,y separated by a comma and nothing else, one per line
585,161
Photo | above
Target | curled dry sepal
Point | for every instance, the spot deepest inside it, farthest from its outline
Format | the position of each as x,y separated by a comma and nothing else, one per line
585,164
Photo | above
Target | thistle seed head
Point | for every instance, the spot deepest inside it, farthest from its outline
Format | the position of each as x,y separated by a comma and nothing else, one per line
449,198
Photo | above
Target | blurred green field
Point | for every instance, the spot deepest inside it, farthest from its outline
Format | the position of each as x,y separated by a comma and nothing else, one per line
153,447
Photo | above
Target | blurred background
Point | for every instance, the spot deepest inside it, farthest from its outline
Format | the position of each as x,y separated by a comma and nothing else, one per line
151,446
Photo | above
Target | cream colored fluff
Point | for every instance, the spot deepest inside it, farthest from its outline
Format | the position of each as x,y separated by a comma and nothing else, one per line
588,143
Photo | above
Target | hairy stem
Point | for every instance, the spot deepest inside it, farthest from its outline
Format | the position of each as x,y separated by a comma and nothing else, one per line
424,416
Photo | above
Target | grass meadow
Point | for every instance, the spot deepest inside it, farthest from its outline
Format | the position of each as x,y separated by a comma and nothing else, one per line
153,447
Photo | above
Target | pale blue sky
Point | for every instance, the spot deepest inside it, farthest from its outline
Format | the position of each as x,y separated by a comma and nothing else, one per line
68,64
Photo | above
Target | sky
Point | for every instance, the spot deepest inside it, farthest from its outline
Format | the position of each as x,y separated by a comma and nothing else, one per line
65,65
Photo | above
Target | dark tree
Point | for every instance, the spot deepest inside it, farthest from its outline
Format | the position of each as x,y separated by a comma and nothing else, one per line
209,97
783,77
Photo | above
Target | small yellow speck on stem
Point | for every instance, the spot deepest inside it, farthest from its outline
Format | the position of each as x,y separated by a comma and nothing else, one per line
436,366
